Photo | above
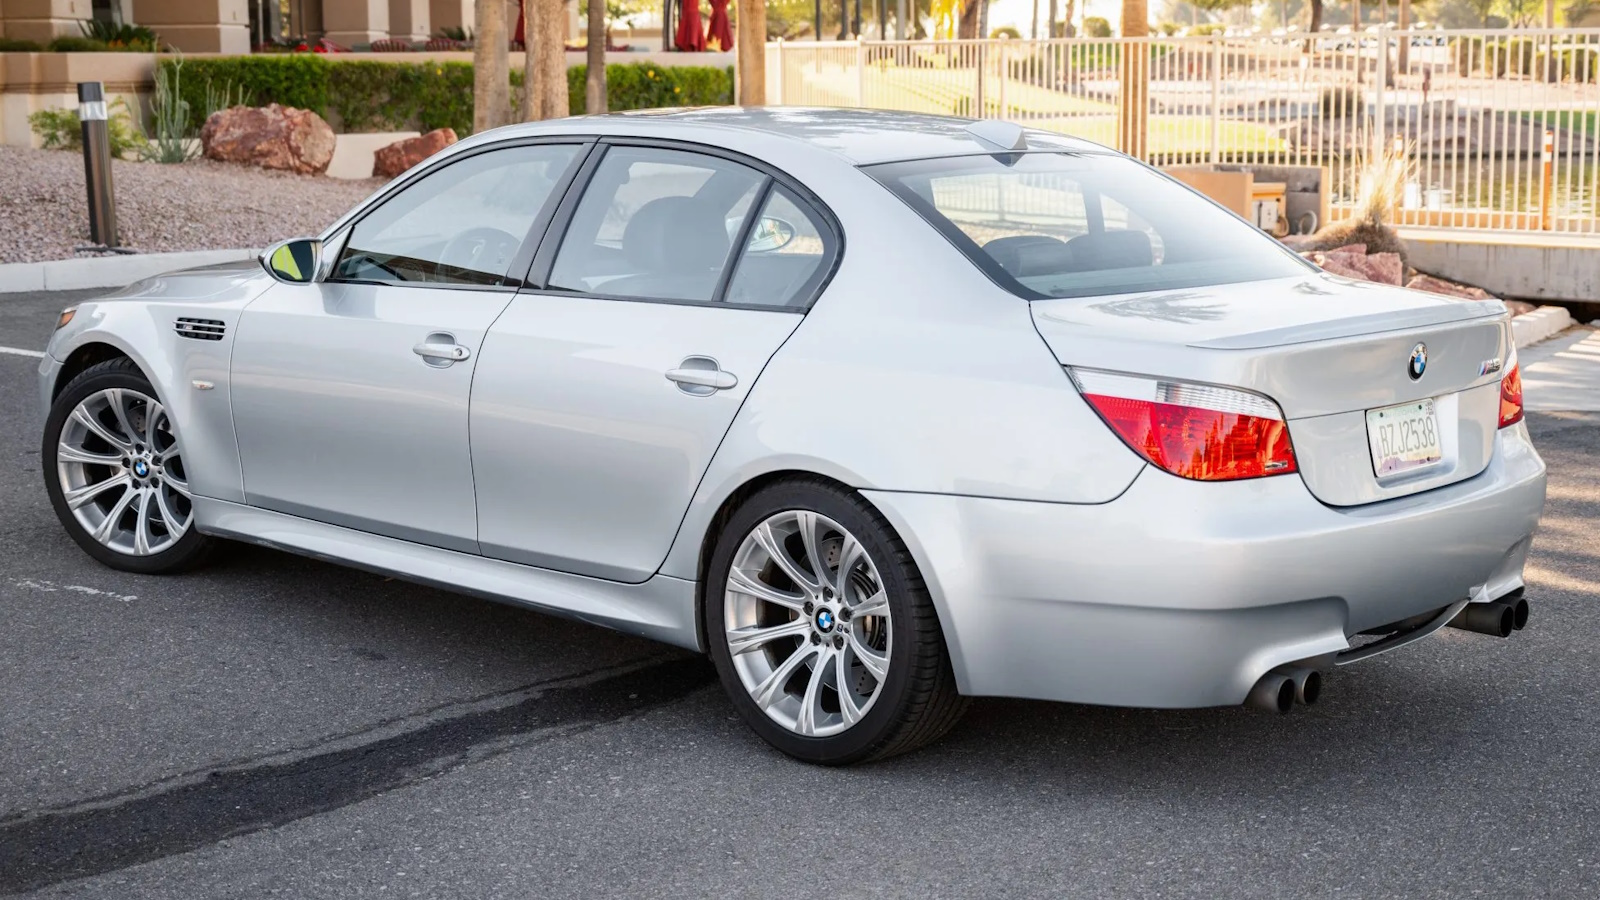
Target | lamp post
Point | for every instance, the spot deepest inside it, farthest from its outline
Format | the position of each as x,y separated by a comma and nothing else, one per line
97,163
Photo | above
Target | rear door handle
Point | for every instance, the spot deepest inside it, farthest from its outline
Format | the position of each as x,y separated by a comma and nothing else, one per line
440,349
701,376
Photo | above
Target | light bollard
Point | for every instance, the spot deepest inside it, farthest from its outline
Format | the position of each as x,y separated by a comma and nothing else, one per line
97,163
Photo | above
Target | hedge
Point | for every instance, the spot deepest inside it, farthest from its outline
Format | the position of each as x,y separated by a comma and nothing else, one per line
360,95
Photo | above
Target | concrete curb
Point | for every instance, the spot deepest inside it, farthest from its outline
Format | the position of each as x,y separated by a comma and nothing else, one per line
1542,323
106,271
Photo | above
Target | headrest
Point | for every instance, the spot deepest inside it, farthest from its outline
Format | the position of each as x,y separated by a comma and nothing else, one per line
676,234
1110,250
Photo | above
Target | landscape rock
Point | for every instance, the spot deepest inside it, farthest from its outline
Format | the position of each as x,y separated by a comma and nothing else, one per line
401,155
271,137
1449,288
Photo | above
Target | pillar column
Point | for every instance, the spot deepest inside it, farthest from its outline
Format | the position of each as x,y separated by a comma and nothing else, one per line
196,26
41,20
451,14
351,22
408,20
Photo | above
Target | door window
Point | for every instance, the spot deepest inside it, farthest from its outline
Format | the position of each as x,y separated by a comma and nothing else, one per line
784,257
462,224
656,224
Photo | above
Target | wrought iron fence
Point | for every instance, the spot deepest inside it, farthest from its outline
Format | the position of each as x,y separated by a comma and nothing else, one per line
1501,128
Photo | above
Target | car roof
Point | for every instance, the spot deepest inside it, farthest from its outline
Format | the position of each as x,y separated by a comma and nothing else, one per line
861,136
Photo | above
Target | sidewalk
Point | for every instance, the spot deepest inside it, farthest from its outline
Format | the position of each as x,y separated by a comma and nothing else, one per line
1563,373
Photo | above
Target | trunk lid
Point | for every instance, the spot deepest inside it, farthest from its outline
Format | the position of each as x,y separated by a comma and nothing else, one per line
1326,349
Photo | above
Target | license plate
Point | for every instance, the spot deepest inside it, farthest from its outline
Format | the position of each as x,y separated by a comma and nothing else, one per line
1403,437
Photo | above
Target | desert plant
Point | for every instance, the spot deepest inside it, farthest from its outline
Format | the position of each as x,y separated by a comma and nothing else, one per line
118,36
173,134
60,129
1382,183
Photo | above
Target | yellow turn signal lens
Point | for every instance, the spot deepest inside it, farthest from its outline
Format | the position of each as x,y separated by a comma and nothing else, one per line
66,316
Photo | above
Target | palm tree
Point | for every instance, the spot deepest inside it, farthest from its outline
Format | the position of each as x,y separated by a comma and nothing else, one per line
1133,117
750,46
595,89
544,76
491,67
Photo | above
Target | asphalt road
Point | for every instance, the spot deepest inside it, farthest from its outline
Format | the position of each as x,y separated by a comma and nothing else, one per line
273,726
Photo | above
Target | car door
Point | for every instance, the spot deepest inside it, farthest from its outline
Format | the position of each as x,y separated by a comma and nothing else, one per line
605,388
350,394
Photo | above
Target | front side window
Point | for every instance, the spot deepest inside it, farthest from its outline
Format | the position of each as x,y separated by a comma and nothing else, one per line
462,224
656,224
1065,225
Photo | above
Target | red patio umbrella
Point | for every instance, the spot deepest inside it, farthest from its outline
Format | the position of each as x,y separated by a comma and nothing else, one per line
691,37
720,30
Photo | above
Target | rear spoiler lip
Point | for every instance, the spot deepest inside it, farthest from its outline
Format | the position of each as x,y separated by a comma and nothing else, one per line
1359,326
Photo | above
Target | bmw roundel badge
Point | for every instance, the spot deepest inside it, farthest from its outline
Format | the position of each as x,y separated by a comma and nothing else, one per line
1419,361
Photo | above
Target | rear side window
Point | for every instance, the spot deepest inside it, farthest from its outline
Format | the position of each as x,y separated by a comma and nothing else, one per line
784,257
1064,225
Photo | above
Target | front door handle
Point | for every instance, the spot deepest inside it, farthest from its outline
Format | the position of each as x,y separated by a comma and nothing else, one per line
701,376
440,349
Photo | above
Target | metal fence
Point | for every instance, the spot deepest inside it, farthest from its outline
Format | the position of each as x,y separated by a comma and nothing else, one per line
1501,127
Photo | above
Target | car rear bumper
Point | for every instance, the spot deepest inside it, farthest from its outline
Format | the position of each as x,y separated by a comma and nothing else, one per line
1183,593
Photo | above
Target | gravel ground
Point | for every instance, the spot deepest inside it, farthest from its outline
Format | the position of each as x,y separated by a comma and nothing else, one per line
199,205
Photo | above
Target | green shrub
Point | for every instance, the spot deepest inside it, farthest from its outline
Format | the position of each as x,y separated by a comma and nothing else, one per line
17,45
72,44
1096,27
363,95
1207,29
59,129
397,96
650,86
1006,31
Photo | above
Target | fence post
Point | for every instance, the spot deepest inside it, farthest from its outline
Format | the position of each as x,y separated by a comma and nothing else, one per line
977,97
1380,88
1216,98
778,53
1004,56
861,72
1546,173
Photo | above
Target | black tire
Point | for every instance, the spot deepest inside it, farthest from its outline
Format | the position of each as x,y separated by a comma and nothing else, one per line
918,703
189,551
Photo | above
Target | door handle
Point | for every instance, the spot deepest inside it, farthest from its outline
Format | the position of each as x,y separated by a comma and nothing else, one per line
701,376
440,349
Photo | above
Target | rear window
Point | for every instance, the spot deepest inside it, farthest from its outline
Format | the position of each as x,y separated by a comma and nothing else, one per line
1066,225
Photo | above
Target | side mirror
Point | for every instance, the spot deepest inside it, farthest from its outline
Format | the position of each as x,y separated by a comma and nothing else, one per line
771,233
295,261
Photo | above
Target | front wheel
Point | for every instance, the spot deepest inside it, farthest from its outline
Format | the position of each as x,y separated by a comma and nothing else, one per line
116,473
822,630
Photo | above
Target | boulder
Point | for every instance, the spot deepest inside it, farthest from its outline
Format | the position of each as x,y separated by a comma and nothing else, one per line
272,137
1354,262
399,156
1449,288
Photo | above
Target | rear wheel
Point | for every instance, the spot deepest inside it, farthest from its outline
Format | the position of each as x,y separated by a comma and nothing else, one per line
116,474
822,630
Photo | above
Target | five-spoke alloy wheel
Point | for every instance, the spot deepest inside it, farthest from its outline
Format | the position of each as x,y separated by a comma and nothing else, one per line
822,629
116,474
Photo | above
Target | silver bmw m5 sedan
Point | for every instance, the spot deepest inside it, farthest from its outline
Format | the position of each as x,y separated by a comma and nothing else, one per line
882,411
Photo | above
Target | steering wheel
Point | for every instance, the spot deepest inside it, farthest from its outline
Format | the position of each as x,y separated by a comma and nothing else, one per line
480,250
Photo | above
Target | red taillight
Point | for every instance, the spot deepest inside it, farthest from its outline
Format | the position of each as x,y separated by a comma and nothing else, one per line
1511,397
1196,431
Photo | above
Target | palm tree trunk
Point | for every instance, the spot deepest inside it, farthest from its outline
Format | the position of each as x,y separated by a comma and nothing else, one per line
1050,24
750,48
545,77
595,88
1133,117
491,67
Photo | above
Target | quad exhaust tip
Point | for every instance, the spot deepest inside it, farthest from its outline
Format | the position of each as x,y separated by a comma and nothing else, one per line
1280,689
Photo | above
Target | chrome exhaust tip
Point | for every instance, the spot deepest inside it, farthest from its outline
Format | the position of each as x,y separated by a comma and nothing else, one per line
1307,682
1273,693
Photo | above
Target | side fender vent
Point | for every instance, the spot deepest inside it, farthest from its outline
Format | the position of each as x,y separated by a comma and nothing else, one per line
201,329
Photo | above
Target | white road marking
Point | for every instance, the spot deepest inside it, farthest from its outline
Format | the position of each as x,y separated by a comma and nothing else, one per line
51,587
16,351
